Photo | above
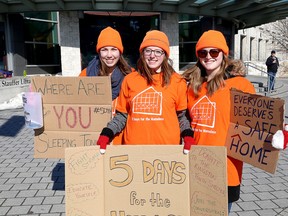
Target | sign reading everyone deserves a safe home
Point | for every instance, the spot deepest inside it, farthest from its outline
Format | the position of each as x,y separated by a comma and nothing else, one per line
253,121
134,180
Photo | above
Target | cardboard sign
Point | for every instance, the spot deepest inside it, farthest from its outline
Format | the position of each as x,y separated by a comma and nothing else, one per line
75,110
254,120
146,180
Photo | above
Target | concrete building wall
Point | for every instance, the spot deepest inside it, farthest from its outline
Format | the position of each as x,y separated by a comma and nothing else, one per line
169,25
251,47
255,46
70,43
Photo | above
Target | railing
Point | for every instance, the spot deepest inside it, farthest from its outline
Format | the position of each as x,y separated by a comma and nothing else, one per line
256,67
263,73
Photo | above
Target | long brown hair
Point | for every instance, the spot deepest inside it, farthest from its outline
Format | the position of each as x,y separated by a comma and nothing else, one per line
122,65
147,72
196,75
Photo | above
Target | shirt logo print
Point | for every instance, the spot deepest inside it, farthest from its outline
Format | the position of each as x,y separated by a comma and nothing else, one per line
203,112
148,102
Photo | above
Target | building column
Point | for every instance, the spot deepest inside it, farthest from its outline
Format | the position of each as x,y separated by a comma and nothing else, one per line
69,43
170,25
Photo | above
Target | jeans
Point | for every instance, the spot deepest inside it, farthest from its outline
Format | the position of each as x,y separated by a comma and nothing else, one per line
229,207
271,80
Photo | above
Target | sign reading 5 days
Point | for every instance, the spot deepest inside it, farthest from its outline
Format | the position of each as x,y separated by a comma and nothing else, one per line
146,180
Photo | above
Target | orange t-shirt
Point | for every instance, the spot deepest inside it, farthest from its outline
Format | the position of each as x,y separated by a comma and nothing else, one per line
151,109
211,117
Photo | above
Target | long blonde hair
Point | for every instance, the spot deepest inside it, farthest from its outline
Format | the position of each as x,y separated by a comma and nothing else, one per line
196,75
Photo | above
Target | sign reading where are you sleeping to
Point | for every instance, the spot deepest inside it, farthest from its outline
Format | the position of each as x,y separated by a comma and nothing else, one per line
75,109
253,121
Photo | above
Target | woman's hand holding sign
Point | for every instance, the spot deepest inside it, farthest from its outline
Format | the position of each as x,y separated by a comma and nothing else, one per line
280,138
104,139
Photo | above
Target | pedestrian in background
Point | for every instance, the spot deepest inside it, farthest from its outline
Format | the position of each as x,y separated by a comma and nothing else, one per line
209,84
272,64
109,62
152,102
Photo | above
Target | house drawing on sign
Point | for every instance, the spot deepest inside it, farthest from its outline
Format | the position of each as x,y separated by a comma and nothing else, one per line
203,112
148,102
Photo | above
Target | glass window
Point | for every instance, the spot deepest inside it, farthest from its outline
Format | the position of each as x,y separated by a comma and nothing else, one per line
187,52
41,38
185,17
189,33
36,31
42,54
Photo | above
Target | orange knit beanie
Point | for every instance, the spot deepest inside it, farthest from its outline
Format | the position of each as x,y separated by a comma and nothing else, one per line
109,37
156,38
213,39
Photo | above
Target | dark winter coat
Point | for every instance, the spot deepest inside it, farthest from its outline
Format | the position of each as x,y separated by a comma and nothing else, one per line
272,67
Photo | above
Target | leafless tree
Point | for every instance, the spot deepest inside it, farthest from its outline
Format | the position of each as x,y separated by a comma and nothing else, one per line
278,32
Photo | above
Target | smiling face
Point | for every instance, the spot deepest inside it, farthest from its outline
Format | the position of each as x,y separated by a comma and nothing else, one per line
109,55
211,64
154,57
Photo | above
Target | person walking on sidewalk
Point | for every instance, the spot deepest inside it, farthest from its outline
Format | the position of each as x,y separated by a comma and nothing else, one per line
152,102
272,64
209,84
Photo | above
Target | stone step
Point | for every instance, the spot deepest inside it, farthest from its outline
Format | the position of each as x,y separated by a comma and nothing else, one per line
260,88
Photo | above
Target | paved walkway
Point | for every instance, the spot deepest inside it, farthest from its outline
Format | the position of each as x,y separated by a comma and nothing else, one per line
31,186
28,186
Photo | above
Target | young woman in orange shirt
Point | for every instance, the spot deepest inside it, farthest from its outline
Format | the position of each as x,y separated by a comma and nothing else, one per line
209,84
109,62
152,102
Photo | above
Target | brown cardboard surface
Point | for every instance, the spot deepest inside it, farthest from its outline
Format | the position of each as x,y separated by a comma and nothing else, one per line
146,180
75,110
76,117
84,182
254,120
208,181
73,90
52,144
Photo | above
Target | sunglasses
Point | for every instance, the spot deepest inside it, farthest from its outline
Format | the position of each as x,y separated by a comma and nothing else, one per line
213,53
